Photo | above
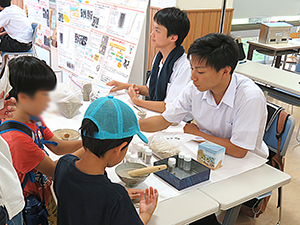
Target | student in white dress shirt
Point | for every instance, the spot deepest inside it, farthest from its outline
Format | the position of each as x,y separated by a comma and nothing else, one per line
17,36
171,68
229,108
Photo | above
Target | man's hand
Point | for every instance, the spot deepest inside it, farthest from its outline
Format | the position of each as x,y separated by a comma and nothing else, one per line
135,193
9,107
117,85
133,93
191,128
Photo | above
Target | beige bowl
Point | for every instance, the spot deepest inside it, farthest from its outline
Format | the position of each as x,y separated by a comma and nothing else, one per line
122,171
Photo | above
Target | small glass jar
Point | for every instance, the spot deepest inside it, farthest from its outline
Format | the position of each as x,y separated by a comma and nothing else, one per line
180,159
187,162
140,150
143,154
133,158
171,164
148,155
127,157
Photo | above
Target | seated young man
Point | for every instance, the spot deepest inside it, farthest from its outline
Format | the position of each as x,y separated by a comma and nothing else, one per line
31,80
171,69
229,108
84,193
17,36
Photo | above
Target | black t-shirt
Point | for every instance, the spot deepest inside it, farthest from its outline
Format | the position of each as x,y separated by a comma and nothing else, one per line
90,199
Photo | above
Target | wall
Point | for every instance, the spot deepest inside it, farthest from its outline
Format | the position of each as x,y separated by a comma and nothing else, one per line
203,4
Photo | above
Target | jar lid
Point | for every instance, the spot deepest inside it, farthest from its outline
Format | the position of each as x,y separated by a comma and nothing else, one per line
148,152
171,161
181,155
145,147
187,157
133,156
140,145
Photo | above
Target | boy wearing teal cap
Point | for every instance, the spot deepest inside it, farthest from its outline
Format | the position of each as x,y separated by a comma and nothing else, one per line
85,194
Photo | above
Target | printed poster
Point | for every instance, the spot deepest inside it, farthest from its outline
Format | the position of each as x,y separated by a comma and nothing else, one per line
38,12
110,31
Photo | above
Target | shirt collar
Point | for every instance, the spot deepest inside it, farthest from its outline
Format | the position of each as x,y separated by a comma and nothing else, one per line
228,97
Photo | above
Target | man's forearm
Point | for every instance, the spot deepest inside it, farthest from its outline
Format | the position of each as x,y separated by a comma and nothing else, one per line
153,124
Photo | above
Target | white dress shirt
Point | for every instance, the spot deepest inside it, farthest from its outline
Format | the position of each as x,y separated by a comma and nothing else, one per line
16,24
11,194
240,116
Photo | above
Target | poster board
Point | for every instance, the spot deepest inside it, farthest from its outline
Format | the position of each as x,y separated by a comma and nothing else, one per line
38,12
98,39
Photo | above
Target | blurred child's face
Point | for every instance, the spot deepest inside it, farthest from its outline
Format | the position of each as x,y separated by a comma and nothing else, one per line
159,36
37,104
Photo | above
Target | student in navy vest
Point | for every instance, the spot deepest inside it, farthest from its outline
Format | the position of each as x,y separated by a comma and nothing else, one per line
171,69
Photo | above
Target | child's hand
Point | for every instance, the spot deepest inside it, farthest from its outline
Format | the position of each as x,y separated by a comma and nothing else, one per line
117,85
133,93
135,193
148,204
9,107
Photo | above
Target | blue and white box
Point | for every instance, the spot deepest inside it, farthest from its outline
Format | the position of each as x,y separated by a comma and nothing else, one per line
211,154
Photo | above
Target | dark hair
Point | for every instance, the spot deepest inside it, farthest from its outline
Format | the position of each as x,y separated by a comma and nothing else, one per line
97,146
175,21
5,3
217,50
28,74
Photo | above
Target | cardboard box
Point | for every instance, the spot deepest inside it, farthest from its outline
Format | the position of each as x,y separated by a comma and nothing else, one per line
274,33
211,155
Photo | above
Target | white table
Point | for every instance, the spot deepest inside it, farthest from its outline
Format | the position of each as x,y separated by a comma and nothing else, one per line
284,80
182,209
234,191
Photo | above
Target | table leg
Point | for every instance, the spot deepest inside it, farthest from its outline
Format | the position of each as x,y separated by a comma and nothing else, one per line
250,52
278,61
231,215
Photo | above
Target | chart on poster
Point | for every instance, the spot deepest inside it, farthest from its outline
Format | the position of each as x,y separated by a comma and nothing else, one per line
98,39
38,12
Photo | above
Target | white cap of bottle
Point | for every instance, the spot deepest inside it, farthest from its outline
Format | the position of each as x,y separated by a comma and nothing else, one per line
181,155
171,161
187,158
148,152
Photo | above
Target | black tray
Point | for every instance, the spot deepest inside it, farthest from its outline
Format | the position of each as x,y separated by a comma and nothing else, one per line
181,179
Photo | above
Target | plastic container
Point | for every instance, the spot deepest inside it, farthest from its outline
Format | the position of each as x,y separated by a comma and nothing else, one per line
171,164
143,154
187,162
133,158
140,150
180,159
148,155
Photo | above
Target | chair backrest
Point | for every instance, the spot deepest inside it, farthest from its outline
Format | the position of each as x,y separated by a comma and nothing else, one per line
298,67
270,135
34,27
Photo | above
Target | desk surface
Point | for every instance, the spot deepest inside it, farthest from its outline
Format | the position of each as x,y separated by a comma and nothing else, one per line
243,187
184,209
276,47
266,74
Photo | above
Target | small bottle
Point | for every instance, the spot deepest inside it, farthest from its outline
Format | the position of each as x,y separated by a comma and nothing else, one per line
148,155
144,150
127,157
180,159
171,164
133,158
187,162
140,150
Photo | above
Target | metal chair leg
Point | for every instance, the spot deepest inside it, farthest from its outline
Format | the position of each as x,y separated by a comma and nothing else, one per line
279,219
297,135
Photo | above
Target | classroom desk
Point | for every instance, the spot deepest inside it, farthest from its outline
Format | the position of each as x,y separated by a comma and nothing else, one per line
184,209
276,50
234,191
280,84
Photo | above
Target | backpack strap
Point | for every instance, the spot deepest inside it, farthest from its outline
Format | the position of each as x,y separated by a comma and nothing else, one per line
11,125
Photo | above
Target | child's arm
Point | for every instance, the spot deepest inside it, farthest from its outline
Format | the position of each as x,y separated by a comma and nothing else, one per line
231,149
143,89
157,106
154,123
63,146
148,204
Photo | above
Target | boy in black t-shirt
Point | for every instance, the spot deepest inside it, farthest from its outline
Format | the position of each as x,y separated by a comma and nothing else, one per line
85,194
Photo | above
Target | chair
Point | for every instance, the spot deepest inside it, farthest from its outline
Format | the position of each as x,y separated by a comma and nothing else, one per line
271,141
30,52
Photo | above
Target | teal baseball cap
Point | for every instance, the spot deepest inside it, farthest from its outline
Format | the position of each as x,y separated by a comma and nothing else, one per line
114,119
